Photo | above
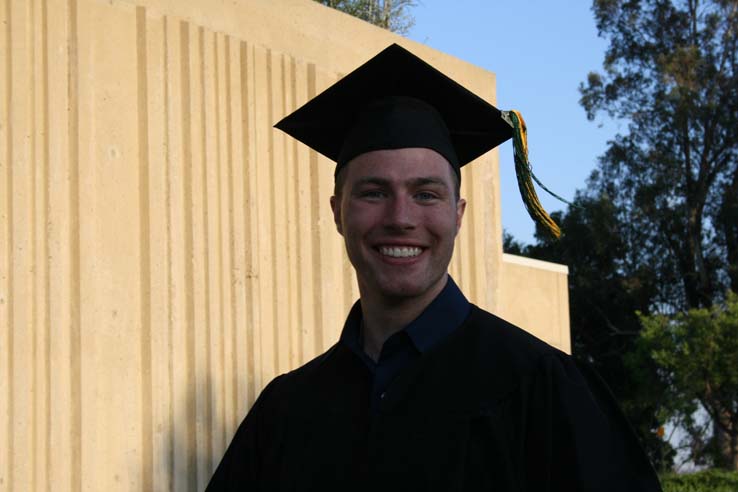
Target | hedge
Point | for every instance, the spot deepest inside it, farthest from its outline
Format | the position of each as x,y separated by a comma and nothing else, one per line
704,481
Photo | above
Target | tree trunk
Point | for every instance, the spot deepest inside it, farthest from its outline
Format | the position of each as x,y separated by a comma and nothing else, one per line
386,13
726,436
728,219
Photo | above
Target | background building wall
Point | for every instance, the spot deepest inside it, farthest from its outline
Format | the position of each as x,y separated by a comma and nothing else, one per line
535,295
164,252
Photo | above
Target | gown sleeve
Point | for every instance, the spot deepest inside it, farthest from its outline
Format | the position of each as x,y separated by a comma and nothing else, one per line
240,467
577,438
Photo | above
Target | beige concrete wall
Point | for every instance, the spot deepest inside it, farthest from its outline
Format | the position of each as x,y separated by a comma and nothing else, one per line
535,295
163,251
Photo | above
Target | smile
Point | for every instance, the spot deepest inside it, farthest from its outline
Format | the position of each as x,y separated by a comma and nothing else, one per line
400,252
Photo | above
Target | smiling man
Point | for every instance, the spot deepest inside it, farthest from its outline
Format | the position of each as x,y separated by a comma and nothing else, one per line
424,390
399,212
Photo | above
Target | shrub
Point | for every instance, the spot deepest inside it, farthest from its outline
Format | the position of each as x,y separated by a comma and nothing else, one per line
713,480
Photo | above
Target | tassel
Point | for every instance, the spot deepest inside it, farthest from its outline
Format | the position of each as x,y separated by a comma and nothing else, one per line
524,174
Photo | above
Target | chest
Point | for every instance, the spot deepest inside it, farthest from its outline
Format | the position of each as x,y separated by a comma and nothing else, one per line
392,451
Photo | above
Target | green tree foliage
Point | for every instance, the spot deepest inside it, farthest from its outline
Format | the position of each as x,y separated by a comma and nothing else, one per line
671,77
704,481
662,368
607,286
696,355
670,73
393,15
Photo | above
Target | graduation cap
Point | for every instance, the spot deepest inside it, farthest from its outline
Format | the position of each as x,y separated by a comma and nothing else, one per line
396,100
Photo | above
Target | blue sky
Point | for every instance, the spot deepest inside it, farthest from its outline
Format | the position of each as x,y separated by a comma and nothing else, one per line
540,51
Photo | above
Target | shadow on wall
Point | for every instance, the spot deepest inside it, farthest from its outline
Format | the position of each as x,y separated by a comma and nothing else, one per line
196,443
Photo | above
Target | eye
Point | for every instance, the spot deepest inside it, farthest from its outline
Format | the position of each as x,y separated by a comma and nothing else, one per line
425,196
372,194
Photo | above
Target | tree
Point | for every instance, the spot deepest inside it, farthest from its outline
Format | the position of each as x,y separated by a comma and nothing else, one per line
672,177
696,354
670,74
392,15
606,290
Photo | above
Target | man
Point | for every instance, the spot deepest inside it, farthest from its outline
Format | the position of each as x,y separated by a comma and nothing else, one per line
424,391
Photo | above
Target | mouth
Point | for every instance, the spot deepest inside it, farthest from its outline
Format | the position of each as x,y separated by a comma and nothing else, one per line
400,251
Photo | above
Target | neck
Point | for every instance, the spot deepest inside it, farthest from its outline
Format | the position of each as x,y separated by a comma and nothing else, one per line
383,317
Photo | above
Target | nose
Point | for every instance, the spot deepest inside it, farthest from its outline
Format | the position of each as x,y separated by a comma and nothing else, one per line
400,213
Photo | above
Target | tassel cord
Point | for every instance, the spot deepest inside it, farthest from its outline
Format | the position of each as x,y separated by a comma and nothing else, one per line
524,174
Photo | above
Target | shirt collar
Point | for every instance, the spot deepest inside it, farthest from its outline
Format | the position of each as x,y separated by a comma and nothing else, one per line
442,316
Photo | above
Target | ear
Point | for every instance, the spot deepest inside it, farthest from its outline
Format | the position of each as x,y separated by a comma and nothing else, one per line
460,208
336,208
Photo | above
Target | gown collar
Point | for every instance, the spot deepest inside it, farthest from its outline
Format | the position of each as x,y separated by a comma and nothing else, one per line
442,316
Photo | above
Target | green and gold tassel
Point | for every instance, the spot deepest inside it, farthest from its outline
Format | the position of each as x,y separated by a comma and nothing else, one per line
524,174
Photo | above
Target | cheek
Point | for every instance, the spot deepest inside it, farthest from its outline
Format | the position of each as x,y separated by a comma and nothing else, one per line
360,218
445,226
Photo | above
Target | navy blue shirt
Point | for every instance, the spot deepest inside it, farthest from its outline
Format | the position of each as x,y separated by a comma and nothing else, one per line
442,316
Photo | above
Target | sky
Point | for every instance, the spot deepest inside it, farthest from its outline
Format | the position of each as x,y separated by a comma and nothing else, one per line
540,51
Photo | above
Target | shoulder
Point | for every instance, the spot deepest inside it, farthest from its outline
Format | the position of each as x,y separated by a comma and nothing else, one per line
316,382
485,361
524,362
498,344
285,384
324,363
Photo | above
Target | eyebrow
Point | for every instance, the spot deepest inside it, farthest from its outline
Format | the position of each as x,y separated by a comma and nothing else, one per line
413,183
429,180
370,180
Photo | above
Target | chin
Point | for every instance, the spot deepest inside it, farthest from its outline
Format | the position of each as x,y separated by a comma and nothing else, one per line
404,289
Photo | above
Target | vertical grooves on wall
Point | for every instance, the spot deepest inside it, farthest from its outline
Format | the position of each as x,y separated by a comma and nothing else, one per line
10,241
32,300
298,321
74,251
217,401
169,459
315,220
46,247
291,188
235,349
189,241
247,225
208,396
145,253
256,207
284,261
284,294
272,216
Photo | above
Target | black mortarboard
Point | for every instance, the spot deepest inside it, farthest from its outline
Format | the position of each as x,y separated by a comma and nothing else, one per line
396,100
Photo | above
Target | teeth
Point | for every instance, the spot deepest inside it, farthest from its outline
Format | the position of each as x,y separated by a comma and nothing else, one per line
402,252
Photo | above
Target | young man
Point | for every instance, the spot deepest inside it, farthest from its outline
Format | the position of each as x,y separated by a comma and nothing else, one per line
424,391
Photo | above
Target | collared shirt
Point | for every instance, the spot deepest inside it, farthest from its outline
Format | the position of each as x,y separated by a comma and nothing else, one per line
442,316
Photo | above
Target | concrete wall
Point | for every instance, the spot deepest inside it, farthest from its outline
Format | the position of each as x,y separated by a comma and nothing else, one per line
163,251
535,295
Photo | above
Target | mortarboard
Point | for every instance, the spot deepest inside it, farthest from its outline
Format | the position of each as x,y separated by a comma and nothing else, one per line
396,100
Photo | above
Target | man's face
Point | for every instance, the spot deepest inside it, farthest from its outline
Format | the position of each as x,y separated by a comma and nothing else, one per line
399,215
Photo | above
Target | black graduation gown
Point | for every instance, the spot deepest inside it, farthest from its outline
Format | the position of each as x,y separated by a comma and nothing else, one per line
489,408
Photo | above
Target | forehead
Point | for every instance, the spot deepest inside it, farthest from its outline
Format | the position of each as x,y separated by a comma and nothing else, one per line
399,165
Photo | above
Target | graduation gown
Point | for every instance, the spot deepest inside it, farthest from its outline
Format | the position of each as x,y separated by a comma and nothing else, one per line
489,408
